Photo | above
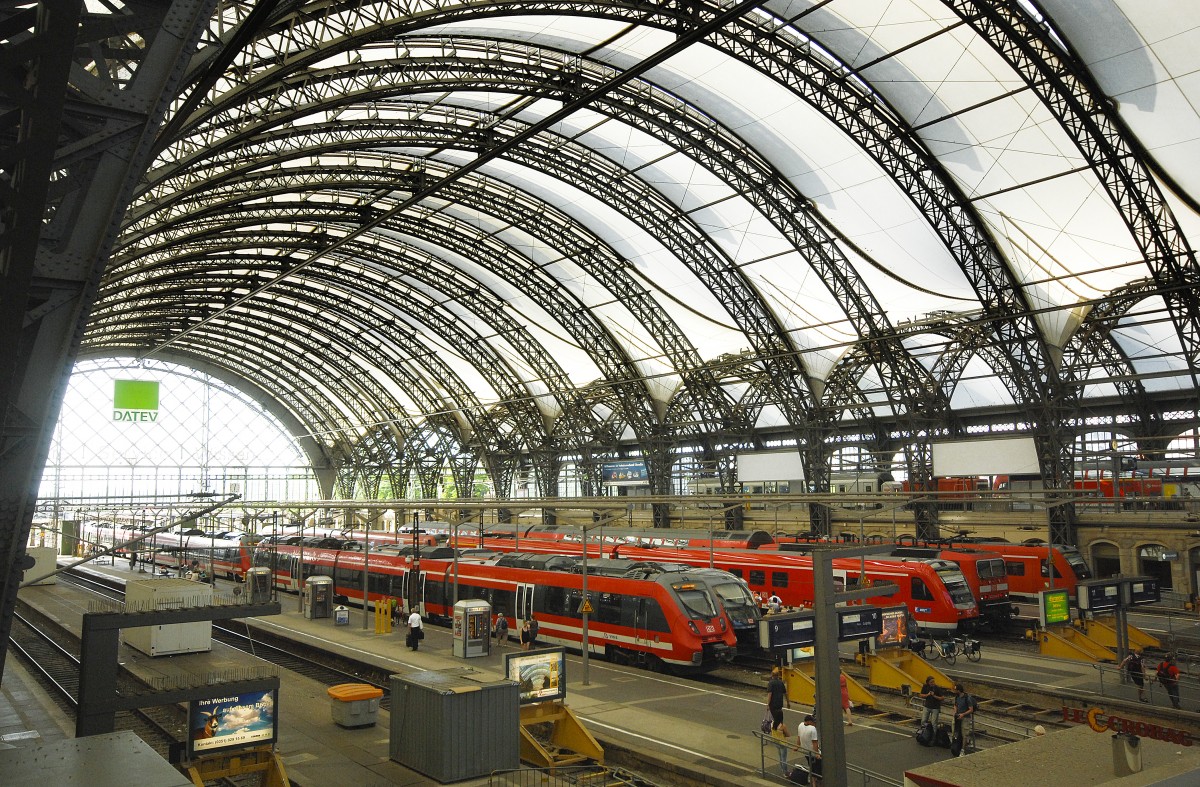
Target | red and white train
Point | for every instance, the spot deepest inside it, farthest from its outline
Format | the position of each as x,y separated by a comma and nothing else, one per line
221,557
935,591
665,619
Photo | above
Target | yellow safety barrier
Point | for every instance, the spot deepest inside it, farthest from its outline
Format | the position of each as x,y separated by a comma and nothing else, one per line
900,668
1104,632
802,687
1068,642
383,618
262,760
569,742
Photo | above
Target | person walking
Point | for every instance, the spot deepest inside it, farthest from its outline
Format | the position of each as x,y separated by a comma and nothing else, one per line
776,697
1168,676
416,632
847,716
501,629
1137,672
931,709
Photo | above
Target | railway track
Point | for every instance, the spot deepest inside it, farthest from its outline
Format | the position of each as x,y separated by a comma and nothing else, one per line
330,669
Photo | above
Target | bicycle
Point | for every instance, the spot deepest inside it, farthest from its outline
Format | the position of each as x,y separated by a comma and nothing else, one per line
949,650
971,648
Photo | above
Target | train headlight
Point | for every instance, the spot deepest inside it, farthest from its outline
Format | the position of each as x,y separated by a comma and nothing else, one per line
695,629
723,626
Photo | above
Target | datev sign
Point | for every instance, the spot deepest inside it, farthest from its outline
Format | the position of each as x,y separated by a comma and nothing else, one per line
135,400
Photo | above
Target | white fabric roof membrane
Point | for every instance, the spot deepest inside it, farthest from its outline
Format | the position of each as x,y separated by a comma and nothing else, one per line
817,225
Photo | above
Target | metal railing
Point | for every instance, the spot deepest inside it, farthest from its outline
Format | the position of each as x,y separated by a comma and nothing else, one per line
567,776
769,765
1115,683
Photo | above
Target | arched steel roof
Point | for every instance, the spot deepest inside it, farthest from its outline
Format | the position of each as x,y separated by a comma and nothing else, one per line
528,231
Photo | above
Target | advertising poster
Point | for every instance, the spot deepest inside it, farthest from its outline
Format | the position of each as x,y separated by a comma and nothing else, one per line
895,626
221,723
541,674
629,473
1055,607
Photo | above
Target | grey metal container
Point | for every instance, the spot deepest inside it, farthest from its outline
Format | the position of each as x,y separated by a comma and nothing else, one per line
452,724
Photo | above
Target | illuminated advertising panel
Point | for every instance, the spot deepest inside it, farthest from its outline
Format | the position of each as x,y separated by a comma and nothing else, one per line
235,722
541,675
1055,607
895,626
628,473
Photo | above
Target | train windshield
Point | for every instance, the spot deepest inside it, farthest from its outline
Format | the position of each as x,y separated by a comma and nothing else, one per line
695,601
991,569
736,599
956,583
1077,563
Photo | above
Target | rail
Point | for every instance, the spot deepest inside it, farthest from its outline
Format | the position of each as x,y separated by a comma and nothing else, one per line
774,757
985,724
569,776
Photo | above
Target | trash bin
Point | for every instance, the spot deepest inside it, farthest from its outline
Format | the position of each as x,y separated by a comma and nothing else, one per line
354,704
341,616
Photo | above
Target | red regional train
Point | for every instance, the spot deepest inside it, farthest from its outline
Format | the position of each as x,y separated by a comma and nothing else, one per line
935,591
1031,568
668,619
225,558
983,571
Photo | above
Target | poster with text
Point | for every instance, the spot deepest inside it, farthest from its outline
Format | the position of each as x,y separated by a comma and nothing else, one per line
239,721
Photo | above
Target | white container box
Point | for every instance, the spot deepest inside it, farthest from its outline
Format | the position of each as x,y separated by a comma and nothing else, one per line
168,593
45,560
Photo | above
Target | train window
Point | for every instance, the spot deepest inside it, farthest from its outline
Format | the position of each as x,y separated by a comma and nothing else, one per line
347,578
609,608
779,579
758,577
655,619
1014,568
737,572
920,592
380,583
553,600
1046,572
502,602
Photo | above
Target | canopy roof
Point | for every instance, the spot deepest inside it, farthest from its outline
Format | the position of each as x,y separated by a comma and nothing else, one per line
505,228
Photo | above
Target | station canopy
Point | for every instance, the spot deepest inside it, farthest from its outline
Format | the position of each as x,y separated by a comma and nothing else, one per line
507,226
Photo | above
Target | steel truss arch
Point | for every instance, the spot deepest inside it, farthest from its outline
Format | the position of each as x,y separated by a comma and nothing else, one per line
1090,120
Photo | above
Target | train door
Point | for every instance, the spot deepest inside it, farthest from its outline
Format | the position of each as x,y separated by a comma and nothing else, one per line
412,591
524,610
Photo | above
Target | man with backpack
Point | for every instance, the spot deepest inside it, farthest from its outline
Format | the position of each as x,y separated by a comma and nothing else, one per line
1136,673
964,709
1168,676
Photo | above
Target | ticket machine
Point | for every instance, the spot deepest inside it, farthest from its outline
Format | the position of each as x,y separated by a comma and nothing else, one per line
472,628
318,597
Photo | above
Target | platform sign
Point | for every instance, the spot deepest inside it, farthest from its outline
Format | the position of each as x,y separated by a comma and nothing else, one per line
541,675
793,630
1054,607
859,623
218,724
1098,595
895,626
1142,590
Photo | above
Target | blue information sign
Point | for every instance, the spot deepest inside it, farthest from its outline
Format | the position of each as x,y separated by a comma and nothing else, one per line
793,630
1099,595
859,623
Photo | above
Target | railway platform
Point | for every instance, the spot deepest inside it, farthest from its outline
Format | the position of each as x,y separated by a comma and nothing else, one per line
682,732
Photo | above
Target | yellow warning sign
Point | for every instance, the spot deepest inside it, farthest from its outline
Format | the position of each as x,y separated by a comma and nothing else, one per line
586,607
